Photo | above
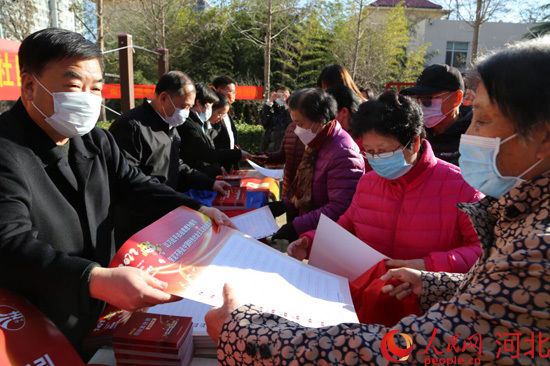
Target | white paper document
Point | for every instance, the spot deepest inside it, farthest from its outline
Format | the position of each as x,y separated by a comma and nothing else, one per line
274,282
338,251
258,223
272,173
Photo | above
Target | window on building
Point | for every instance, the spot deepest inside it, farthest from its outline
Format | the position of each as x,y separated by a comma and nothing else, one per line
457,54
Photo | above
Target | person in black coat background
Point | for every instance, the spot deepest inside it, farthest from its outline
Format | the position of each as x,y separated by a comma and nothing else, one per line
149,138
197,146
225,134
275,118
59,180
439,91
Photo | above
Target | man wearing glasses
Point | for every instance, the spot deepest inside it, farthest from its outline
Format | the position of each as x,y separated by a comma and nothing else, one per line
439,90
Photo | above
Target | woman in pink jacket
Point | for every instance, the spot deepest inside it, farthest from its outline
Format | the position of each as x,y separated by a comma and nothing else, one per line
406,207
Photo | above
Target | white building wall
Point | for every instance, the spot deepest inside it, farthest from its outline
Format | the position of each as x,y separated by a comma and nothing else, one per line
492,36
65,17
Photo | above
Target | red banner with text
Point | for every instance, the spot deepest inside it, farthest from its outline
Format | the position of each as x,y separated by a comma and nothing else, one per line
10,80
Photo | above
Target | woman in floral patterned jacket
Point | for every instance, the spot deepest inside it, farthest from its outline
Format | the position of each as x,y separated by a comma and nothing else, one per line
498,312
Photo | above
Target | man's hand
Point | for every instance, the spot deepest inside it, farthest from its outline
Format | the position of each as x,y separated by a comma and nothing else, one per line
216,317
412,279
218,217
128,288
298,248
222,187
419,264
273,96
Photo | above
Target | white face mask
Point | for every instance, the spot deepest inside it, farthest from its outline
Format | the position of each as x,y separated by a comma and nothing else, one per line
178,117
205,116
305,135
432,114
75,113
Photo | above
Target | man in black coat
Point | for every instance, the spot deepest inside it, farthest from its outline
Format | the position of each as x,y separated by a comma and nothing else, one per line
275,117
440,91
59,180
149,139
224,133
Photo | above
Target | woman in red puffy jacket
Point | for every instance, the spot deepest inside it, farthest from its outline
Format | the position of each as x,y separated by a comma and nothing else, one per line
406,207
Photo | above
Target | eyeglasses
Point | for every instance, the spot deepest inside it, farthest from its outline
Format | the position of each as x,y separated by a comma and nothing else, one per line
384,155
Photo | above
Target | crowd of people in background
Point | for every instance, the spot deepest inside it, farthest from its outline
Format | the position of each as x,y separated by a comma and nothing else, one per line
458,196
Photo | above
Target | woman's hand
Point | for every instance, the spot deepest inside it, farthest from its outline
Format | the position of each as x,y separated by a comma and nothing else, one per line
412,282
298,249
419,264
216,317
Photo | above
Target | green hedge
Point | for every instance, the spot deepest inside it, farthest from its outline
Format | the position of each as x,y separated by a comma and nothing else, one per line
105,124
250,137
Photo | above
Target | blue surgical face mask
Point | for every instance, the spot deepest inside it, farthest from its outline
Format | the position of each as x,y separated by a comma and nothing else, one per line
178,117
478,165
390,165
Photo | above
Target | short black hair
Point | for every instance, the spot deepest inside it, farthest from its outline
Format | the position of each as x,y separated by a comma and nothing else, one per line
330,75
222,80
282,88
345,97
517,79
173,82
54,44
223,101
392,115
314,103
205,94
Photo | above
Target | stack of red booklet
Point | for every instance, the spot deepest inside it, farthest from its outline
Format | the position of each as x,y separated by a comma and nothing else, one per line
154,339
236,199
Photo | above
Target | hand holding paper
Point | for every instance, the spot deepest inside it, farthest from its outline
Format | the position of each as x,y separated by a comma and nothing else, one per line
216,317
412,279
338,251
298,248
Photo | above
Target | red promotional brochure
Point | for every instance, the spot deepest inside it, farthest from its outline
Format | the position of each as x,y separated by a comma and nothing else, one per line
27,337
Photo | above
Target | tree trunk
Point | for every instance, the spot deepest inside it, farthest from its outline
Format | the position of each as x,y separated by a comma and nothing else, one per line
357,36
477,25
163,24
101,45
267,52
